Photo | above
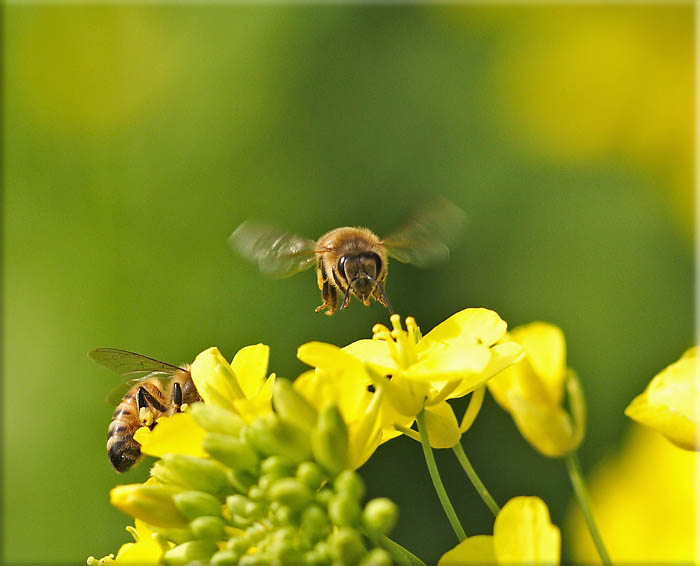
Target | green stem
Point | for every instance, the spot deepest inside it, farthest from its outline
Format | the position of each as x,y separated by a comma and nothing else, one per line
579,485
399,554
437,482
474,478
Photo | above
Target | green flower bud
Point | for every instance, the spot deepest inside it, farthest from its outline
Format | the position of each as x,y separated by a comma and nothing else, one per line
376,557
344,510
151,503
330,441
240,545
189,552
216,419
241,480
257,559
231,451
254,510
225,557
351,483
256,493
193,504
322,552
236,504
256,532
290,492
380,515
191,472
208,528
346,546
315,523
272,436
324,496
292,407
278,466
311,474
178,536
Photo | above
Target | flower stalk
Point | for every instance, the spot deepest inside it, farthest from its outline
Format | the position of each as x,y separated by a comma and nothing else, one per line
573,466
437,481
475,479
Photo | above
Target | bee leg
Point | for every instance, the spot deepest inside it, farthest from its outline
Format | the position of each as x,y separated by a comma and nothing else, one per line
328,293
145,401
177,397
380,295
145,413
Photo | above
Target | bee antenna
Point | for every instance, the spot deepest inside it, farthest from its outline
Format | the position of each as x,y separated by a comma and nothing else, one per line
385,299
346,299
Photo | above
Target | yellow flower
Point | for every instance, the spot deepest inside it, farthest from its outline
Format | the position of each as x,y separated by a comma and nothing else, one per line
669,404
522,534
146,548
455,358
645,501
533,389
240,385
177,434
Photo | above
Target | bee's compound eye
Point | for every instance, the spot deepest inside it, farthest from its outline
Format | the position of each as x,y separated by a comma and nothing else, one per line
341,265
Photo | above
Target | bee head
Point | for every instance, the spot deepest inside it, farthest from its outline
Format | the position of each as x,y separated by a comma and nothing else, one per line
360,271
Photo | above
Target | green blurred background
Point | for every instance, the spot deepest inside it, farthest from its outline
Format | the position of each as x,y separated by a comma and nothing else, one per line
136,137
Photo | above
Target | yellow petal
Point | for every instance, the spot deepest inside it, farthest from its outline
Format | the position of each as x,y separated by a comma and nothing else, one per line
545,349
365,434
468,326
502,356
250,367
407,396
548,429
177,434
259,404
669,404
447,362
373,351
348,392
473,550
215,379
441,424
145,551
524,534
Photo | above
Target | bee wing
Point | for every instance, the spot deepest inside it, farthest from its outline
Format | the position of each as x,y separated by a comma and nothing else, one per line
425,237
117,394
132,367
277,253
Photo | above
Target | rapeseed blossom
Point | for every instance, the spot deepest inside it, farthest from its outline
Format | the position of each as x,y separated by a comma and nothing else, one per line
532,391
249,486
413,372
522,534
670,403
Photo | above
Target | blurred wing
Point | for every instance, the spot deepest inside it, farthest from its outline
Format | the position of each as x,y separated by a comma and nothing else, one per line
424,239
277,253
130,366
117,394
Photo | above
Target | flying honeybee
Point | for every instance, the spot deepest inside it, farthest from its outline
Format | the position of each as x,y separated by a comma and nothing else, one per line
155,389
352,261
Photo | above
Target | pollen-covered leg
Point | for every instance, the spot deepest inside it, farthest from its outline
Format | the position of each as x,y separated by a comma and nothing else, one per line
328,293
145,413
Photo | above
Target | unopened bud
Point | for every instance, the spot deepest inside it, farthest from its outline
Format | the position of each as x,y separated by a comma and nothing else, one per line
315,523
311,474
195,550
208,528
290,492
376,557
292,407
380,515
272,436
151,503
344,510
277,465
193,504
241,480
236,504
216,419
351,483
225,557
230,451
191,472
330,441
346,546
